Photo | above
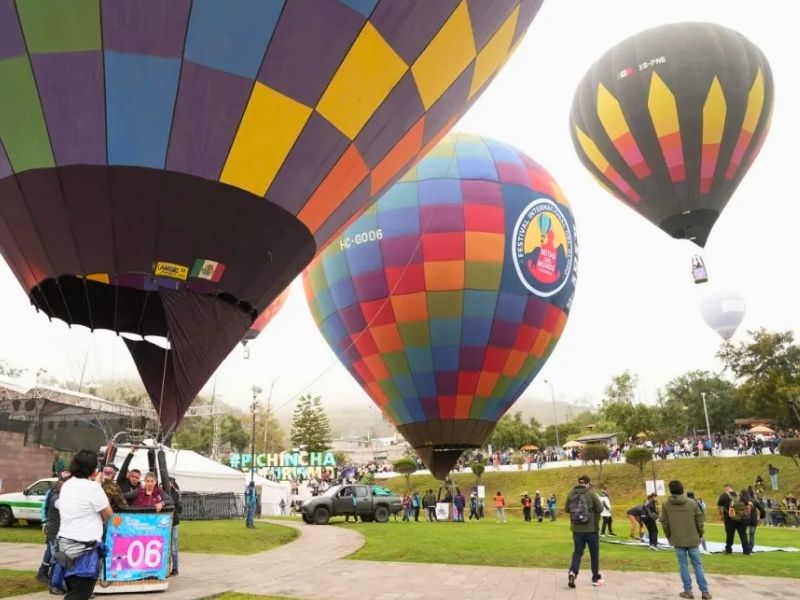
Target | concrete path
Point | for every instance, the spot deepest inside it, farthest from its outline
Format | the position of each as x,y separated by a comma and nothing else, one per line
313,568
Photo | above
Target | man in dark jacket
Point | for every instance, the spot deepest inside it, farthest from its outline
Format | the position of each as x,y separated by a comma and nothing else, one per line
51,526
683,524
733,520
175,492
584,509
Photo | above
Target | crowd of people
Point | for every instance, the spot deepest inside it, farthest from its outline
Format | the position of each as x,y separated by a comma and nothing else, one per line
74,516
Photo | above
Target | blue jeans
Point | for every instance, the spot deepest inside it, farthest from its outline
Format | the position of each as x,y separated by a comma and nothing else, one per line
581,540
173,548
773,479
251,514
693,554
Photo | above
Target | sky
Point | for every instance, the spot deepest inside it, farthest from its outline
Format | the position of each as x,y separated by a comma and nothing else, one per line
636,306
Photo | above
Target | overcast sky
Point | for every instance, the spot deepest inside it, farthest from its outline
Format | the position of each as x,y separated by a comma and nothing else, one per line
636,306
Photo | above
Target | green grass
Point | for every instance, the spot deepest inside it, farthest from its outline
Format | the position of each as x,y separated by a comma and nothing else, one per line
705,476
210,537
520,544
16,583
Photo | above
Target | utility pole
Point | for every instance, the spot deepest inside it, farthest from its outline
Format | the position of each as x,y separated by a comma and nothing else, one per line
216,426
708,427
268,424
253,407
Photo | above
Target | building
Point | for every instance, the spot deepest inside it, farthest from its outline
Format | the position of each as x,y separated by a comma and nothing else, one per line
366,450
599,438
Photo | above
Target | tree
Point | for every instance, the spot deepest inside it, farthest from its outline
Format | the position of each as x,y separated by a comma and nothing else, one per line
311,429
517,459
405,466
197,434
270,436
639,457
9,371
721,399
791,447
768,367
341,458
596,454
477,468
621,389
513,432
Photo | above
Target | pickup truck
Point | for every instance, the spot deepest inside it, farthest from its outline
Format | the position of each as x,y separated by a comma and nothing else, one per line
370,503
26,504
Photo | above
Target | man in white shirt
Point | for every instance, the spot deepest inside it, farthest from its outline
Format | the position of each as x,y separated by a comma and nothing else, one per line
84,507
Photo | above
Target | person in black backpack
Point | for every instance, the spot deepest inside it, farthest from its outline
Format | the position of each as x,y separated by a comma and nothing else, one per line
756,514
584,509
733,511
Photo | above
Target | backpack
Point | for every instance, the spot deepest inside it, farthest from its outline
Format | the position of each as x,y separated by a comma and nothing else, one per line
738,509
579,509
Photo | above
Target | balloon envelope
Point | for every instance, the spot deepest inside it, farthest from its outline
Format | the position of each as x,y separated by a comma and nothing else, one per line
167,167
445,299
723,312
265,317
670,120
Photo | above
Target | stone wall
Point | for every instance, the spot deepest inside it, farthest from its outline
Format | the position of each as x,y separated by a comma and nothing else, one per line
21,465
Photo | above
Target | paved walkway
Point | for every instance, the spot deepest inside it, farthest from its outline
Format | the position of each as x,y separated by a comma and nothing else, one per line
313,568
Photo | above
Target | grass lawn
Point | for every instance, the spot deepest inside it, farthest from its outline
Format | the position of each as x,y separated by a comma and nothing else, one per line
15,583
520,544
705,476
212,537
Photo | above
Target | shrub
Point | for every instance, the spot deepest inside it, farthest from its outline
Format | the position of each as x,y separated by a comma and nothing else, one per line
639,457
791,447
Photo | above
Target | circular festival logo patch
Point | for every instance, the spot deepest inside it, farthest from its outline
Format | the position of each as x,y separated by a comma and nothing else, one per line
542,247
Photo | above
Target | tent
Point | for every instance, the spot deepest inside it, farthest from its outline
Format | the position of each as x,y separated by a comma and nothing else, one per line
193,472
271,494
572,444
760,429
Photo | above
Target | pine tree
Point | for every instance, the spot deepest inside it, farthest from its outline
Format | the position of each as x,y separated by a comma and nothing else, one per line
311,429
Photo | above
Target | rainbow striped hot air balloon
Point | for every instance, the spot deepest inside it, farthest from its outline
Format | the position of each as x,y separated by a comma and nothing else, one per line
448,295
167,167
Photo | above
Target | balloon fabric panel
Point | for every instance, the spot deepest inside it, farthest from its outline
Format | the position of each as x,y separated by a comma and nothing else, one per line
211,146
670,119
424,302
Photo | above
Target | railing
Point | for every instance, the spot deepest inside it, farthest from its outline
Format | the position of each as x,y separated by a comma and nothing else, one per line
198,506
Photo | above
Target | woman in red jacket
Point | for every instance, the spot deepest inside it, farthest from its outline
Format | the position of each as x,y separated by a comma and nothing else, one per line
150,495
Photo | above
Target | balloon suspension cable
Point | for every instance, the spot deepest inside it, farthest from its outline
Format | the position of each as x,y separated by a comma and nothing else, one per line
163,381
386,301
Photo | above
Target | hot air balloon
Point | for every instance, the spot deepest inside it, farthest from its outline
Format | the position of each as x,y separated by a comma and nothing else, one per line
263,320
670,120
167,167
723,312
445,298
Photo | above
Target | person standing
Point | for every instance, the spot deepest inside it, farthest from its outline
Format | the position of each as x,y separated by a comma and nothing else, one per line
416,503
250,499
584,509
429,502
773,477
526,507
500,507
755,515
702,506
83,507
406,502
552,504
650,519
607,515
459,503
684,527
732,509
538,508
175,493
473,507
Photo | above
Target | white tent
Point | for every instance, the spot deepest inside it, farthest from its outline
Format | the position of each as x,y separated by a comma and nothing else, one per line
271,494
193,472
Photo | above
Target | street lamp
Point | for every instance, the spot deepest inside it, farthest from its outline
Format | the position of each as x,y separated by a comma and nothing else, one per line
253,407
555,414
708,427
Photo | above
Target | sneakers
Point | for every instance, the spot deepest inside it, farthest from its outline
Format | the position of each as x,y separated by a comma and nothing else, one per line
599,583
613,534
571,579
686,595
706,596
43,578
57,591
173,572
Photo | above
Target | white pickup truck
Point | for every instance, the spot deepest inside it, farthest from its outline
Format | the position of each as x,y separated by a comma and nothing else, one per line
26,504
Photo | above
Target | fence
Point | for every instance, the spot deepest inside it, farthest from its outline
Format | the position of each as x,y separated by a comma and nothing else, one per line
198,506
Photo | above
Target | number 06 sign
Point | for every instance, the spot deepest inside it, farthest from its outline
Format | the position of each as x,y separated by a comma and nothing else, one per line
138,546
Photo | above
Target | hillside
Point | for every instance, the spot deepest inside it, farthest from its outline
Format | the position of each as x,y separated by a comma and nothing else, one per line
705,476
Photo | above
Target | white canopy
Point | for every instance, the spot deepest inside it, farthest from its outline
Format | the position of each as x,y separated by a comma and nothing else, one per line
193,472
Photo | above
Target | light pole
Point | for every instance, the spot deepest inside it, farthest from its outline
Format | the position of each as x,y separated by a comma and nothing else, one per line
555,414
253,407
708,427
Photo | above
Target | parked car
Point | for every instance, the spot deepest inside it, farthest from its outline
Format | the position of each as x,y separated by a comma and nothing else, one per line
26,504
370,503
